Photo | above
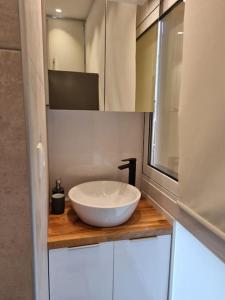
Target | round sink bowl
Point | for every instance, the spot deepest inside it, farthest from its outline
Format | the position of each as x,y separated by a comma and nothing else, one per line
104,203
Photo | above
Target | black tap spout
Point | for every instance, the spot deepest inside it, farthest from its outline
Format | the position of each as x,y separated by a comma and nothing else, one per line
122,167
132,169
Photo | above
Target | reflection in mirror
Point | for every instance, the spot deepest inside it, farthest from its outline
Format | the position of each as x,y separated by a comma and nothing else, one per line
120,55
88,36
76,45
146,53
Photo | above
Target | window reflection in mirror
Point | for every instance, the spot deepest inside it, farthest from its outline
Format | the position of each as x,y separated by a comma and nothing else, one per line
146,50
164,129
76,45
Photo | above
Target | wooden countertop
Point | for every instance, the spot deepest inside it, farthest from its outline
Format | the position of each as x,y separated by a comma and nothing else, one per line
67,230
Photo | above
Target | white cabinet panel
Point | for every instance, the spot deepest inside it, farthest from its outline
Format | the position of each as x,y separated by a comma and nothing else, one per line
197,273
141,268
81,273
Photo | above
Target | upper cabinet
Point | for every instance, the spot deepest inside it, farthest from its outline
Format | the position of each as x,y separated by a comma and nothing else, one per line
102,54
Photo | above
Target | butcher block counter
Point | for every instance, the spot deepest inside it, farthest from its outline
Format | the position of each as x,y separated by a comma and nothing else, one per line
67,230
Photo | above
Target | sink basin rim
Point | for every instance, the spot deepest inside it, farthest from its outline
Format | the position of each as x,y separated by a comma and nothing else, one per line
105,207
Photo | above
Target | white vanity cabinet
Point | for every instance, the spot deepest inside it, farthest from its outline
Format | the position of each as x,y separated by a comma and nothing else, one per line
120,270
141,268
81,273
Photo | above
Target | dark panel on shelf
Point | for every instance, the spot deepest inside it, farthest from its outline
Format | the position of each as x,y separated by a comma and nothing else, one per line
73,90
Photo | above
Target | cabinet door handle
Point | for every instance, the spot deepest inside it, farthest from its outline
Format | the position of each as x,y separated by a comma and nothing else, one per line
142,239
83,247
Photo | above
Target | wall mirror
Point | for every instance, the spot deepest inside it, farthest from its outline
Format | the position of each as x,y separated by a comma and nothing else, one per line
101,55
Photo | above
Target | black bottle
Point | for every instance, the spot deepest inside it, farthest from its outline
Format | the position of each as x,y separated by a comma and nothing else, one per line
58,203
58,189
58,198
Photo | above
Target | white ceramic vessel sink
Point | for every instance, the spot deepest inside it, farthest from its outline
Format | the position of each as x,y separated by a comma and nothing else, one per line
104,203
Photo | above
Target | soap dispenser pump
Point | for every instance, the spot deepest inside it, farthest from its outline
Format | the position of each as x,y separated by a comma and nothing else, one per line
58,189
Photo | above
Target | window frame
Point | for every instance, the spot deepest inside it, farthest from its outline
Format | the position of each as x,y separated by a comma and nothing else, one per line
163,180
150,137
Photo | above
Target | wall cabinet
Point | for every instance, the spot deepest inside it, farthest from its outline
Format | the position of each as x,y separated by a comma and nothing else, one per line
98,38
131,269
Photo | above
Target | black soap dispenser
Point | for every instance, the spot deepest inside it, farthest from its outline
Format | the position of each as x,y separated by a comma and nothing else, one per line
58,199
58,189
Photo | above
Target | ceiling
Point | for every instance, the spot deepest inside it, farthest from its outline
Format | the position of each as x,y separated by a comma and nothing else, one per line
77,9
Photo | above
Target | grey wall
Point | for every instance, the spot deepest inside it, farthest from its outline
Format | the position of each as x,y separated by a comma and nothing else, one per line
16,280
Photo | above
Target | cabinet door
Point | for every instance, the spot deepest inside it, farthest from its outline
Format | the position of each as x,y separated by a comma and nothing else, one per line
141,268
81,273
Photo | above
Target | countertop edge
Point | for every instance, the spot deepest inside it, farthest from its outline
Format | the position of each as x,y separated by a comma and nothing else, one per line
69,243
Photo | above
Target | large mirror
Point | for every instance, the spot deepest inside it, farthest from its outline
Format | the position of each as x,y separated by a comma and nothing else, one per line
102,54
76,53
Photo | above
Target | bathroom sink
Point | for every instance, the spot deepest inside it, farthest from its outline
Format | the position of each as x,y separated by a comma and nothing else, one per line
104,203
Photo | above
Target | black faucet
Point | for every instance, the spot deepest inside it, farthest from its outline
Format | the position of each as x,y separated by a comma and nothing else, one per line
132,169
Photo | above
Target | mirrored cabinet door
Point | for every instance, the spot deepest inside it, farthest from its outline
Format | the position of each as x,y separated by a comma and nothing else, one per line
132,43
120,56
131,50
76,53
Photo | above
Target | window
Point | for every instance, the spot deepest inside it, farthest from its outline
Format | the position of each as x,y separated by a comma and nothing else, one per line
163,150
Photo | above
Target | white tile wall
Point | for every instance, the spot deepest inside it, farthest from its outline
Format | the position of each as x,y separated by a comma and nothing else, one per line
86,145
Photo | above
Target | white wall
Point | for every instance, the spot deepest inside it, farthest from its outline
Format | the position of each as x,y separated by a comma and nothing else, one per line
87,145
197,273
65,44
95,45
34,92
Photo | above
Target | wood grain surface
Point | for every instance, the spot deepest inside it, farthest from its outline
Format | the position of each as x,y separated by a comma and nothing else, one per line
67,230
